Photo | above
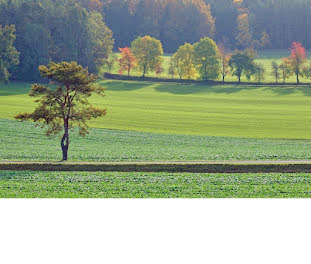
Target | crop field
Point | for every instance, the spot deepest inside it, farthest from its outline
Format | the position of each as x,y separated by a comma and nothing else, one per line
24,141
279,112
152,185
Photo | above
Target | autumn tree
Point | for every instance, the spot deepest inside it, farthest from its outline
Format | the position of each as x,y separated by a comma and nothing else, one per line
259,71
225,56
244,38
275,71
127,61
183,60
285,69
148,52
297,59
206,59
242,63
9,56
64,104
159,70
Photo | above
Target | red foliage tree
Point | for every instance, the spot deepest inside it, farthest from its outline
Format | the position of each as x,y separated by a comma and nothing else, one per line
127,61
297,58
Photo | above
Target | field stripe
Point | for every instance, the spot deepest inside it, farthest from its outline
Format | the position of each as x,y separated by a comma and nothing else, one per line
172,167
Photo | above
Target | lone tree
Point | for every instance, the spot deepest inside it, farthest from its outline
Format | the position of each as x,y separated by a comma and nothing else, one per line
9,56
206,59
148,52
297,59
127,61
242,63
64,103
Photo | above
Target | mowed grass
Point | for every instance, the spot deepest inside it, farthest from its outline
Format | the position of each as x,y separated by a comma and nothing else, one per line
24,141
191,109
25,184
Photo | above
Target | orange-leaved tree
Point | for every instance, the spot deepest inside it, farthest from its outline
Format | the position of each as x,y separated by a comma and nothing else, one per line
297,58
127,61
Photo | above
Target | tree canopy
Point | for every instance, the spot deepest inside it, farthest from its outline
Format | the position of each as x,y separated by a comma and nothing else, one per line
9,56
60,30
148,52
64,104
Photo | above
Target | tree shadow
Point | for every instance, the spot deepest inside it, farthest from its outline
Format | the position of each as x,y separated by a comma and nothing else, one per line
121,86
184,89
287,90
14,88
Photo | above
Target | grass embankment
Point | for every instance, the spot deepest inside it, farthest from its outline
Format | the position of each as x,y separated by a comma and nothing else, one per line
24,141
194,109
152,185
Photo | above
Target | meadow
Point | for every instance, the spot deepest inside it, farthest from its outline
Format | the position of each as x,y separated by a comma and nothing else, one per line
25,184
278,112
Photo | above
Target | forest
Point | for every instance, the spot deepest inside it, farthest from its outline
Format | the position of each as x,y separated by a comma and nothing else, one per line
87,31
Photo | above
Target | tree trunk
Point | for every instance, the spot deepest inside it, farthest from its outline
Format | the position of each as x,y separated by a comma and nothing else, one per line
65,143
297,78
223,79
239,79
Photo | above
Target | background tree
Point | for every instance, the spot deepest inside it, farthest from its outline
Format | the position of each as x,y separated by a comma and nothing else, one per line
159,70
148,52
259,72
184,61
206,59
65,103
275,71
171,69
127,61
306,71
297,59
225,56
176,64
8,53
242,63
100,41
110,62
285,69
56,30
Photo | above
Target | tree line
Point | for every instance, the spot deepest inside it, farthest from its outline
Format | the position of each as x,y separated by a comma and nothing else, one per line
205,60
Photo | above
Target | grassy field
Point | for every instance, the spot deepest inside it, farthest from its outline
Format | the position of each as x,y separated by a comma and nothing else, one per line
264,57
152,185
193,109
24,141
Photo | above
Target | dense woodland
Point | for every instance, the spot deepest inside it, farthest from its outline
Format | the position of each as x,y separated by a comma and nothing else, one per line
87,31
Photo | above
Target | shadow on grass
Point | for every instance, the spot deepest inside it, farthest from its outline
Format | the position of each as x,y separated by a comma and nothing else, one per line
121,86
183,89
14,88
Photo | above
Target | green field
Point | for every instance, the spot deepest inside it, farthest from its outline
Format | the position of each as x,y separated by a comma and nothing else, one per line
191,109
24,141
152,185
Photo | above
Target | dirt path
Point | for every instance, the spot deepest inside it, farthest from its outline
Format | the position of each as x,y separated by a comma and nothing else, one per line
266,162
